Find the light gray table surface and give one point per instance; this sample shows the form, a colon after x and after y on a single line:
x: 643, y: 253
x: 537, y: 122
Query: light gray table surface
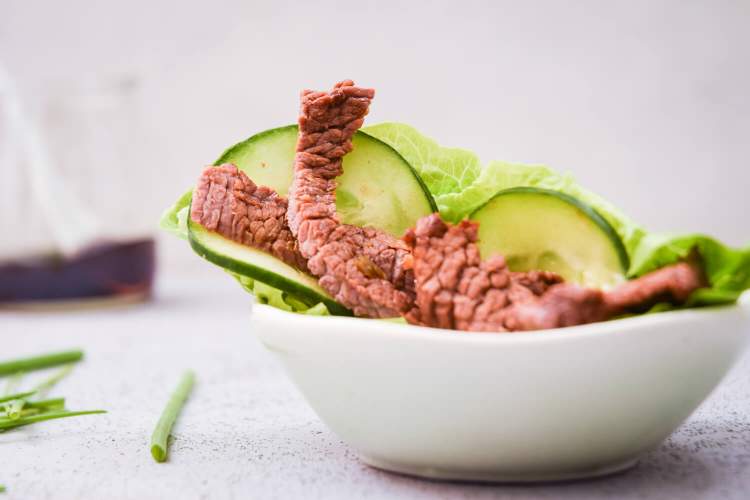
x: 247, y: 433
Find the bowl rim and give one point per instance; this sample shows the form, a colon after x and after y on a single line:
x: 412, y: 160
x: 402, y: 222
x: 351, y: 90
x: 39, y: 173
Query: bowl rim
x: 564, y: 334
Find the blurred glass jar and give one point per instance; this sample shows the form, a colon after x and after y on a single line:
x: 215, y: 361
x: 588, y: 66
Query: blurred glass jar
x: 92, y: 136
x: 94, y: 133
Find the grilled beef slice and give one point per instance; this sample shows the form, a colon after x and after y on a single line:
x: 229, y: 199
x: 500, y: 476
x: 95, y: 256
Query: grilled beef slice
x: 228, y: 202
x: 455, y: 289
x: 362, y: 268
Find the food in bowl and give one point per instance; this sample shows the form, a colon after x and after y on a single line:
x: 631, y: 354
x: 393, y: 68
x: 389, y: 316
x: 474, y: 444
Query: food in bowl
x: 325, y: 218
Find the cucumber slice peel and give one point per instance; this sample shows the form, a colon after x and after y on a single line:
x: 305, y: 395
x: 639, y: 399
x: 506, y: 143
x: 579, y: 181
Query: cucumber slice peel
x: 537, y: 228
x: 261, y: 266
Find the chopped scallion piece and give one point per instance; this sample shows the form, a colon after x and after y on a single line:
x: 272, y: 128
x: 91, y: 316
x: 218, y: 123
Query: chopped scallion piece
x: 7, y: 423
x: 47, y: 404
x: 20, y: 395
x: 166, y: 421
x: 38, y: 362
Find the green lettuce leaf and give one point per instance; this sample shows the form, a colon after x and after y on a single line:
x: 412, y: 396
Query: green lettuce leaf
x: 460, y: 184
x: 497, y: 176
x: 727, y: 269
x: 266, y: 294
x: 174, y: 219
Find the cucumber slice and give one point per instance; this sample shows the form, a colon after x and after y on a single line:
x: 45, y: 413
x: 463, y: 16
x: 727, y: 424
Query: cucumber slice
x: 261, y: 266
x: 543, y: 229
x: 378, y: 188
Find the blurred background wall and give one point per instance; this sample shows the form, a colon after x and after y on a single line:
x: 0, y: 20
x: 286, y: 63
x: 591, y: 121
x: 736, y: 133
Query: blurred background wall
x: 646, y: 102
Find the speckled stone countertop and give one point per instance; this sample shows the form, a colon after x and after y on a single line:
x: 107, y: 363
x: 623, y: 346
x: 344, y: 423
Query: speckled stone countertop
x: 247, y: 433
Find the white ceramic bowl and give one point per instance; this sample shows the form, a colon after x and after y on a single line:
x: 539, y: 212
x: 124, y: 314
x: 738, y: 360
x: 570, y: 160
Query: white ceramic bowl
x: 548, y: 405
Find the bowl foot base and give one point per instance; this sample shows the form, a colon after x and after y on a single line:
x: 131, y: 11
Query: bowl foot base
x: 499, y: 476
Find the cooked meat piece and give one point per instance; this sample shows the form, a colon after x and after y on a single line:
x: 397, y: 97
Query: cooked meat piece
x: 565, y: 304
x: 455, y: 289
x: 228, y: 202
x: 673, y: 284
x: 568, y: 304
x: 362, y: 268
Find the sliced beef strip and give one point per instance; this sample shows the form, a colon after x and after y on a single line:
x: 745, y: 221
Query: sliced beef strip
x: 568, y: 304
x: 228, y: 202
x: 673, y: 284
x: 362, y: 268
x: 455, y: 289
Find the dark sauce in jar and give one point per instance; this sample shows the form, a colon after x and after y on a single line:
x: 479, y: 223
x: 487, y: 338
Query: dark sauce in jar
x: 104, y: 270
